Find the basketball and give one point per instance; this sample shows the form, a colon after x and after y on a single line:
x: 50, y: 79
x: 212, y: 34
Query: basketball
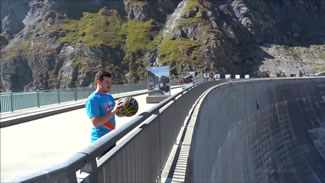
x: 129, y: 107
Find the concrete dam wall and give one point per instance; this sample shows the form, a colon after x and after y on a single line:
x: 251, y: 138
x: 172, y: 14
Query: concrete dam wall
x: 260, y: 131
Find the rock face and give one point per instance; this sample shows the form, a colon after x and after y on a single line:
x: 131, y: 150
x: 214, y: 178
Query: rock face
x: 12, y: 14
x: 16, y: 74
x: 64, y: 43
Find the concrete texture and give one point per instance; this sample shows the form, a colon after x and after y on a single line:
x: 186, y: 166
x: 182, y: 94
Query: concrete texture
x: 155, y: 98
x: 260, y: 131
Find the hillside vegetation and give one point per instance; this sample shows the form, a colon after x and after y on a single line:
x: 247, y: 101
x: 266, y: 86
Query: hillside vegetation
x: 62, y: 44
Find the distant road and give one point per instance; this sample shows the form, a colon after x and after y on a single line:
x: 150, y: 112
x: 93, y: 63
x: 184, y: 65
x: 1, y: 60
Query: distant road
x: 44, y: 142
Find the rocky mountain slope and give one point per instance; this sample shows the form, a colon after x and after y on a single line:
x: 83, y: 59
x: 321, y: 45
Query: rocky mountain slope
x: 60, y: 43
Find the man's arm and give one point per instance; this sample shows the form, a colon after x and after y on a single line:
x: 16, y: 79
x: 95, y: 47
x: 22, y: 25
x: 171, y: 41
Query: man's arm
x: 100, y: 120
x: 97, y: 121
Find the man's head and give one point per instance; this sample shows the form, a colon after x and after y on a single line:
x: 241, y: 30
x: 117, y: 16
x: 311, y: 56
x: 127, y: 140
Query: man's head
x: 104, y: 82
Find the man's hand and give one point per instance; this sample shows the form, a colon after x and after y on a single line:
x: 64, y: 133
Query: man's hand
x: 117, y: 106
x: 100, y: 120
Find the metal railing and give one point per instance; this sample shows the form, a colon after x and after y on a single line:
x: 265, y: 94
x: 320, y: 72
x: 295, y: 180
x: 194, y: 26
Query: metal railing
x: 10, y: 102
x: 139, y: 157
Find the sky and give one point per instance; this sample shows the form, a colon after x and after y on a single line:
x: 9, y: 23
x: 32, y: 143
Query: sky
x: 159, y: 71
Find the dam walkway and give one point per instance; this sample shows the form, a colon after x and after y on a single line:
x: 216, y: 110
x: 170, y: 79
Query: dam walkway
x: 256, y: 130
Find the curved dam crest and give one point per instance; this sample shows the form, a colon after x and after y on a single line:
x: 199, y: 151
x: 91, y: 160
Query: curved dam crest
x: 260, y: 131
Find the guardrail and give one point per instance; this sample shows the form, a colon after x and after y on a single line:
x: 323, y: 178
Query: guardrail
x: 139, y: 157
x: 11, y: 102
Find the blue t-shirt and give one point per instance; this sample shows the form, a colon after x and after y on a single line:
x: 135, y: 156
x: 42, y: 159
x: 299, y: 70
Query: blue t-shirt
x: 99, y: 105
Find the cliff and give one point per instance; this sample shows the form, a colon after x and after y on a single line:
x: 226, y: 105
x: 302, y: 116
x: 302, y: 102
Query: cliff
x: 56, y: 44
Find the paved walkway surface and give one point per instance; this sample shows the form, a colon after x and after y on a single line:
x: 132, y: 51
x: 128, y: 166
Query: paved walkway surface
x: 31, y: 146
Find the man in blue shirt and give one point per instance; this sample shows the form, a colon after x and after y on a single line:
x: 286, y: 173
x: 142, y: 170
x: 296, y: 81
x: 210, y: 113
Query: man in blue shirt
x: 101, y: 107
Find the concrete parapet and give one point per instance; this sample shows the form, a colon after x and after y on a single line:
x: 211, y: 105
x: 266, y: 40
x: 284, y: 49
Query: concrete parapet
x: 260, y: 131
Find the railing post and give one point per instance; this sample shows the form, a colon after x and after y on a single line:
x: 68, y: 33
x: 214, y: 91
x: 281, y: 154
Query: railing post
x: 75, y: 94
x: 159, y: 145
x: 11, y: 102
x: 38, y: 102
x: 91, y: 168
x: 58, y: 96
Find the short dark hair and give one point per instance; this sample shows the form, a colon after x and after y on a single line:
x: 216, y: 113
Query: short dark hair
x: 101, y: 74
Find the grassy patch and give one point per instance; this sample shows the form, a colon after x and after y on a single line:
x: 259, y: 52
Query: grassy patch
x: 17, y: 49
x: 191, y: 4
x: 139, y: 2
x: 193, y: 20
x: 188, y: 21
x: 94, y: 29
x: 80, y: 60
x: 100, y: 29
x: 180, y: 51
x: 139, y: 35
